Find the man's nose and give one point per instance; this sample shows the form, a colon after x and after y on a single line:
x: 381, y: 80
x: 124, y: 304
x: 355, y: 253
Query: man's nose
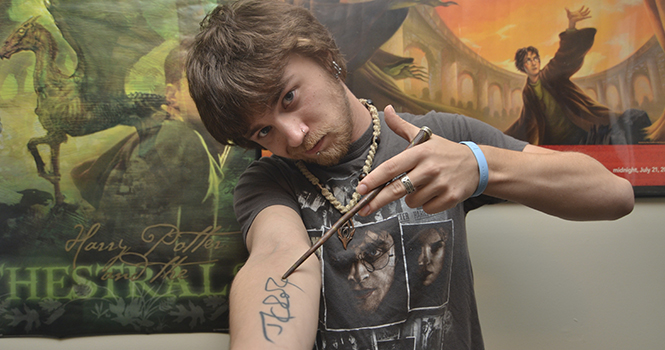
x: 358, y: 272
x: 295, y: 131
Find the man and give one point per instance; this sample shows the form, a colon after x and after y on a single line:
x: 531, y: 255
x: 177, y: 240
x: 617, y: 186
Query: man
x: 372, y: 270
x: 267, y: 74
x: 558, y: 112
x: 362, y: 277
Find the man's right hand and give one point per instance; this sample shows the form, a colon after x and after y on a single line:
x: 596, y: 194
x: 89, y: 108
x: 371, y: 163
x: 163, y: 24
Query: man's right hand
x: 576, y: 16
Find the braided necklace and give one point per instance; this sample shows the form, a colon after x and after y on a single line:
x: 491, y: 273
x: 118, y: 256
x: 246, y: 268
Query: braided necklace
x: 376, y: 124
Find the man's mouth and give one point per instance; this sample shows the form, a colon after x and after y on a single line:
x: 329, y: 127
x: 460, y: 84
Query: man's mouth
x: 317, y: 147
x: 363, y: 294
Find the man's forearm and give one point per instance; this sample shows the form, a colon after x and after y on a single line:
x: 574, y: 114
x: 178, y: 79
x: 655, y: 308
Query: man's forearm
x: 270, y: 313
x: 565, y: 184
x: 267, y: 312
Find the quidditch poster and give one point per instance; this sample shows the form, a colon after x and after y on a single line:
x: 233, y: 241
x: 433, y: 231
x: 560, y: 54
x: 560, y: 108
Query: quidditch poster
x: 116, y: 205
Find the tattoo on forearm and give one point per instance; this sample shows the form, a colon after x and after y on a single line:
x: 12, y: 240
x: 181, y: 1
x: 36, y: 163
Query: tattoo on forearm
x: 280, y: 308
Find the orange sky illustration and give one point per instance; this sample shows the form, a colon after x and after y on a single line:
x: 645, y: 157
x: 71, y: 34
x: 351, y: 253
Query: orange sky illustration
x: 496, y: 29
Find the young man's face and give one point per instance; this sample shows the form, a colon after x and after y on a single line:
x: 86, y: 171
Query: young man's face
x: 532, y: 65
x: 311, y: 120
x: 372, y: 270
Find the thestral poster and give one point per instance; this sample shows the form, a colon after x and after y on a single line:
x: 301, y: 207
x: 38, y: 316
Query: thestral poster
x: 116, y: 205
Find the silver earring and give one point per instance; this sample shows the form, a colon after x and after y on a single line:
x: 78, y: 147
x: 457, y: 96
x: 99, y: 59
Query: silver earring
x: 303, y: 130
x: 338, y: 69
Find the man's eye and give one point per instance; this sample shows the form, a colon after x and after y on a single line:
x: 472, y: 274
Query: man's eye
x: 288, y: 98
x: 264, y: 132
x: 375, y: 253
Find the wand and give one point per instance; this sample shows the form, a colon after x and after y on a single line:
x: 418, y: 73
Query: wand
x: 423, y: 135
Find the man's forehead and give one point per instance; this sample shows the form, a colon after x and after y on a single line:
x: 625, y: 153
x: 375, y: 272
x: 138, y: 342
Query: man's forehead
x: 372, y: 238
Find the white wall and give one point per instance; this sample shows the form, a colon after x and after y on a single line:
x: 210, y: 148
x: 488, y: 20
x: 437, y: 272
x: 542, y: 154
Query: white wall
x: 545, y: 283
x: 541, y: 283
x: 197, y: 341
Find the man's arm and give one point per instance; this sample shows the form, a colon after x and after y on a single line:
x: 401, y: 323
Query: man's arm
x: 576, y: 16
x: 267, y: 312
x: 569, y: 185
x: 565, y: 184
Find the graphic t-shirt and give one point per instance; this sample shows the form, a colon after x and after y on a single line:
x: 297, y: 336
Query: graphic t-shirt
x: 405, y: 280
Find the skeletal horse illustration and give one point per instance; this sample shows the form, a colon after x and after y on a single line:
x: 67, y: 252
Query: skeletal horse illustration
x: 92, y: 98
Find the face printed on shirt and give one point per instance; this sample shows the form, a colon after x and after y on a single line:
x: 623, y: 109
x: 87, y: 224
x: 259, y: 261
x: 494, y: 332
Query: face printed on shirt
x: 372, y: 269
x: 432, y: 254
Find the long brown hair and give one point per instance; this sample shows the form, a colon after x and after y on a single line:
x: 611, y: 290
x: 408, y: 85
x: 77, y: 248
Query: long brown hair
x: 236, y: 63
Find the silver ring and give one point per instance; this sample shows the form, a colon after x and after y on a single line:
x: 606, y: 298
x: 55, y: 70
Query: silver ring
x: 408, y: 185
x: 303, y: 130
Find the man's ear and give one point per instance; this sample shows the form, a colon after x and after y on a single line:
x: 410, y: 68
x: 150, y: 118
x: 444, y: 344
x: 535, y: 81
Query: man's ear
x: 171, y: 98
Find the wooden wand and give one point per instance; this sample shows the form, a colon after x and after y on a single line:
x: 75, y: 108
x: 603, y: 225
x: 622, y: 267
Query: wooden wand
x: 423, y: 135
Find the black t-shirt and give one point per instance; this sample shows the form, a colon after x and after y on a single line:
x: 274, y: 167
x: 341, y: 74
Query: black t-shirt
x: 405, y: 280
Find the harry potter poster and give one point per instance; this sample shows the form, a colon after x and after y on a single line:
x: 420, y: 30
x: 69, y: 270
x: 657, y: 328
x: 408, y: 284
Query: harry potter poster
x: 115, y: 203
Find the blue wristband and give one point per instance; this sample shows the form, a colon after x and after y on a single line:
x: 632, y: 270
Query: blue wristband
x: 482, y: 167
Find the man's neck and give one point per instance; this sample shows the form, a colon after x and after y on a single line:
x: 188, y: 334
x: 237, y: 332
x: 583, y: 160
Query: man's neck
x: 360, y: 117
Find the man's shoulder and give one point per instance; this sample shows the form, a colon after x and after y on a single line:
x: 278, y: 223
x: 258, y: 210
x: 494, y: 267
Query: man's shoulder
x: 269, y: 166
x: 445, y: 124
x: 458, y: 127
x: 432, y: 116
